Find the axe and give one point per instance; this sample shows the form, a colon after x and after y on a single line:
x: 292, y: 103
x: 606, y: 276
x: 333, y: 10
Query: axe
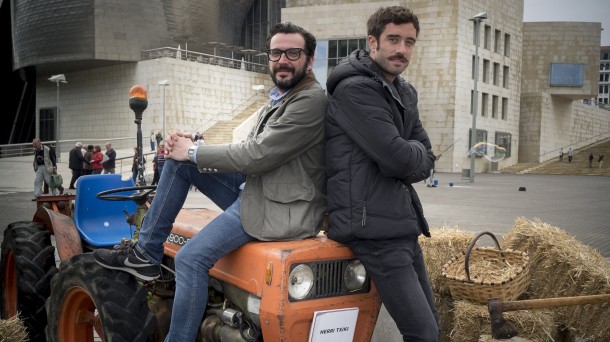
x: 502, y: 329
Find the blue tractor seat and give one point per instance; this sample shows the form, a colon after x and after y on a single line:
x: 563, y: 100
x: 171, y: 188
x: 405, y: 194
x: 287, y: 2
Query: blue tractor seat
x: 102, y: 223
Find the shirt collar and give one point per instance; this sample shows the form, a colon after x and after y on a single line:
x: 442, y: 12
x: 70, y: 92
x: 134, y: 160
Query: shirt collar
x: 276, y: 96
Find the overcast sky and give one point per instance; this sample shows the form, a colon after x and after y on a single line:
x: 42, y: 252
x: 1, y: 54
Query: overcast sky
x: 570, y: 10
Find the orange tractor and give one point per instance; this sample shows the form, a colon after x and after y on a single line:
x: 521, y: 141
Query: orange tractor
x: 309, y: 290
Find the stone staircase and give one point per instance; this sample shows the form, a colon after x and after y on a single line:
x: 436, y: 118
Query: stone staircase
x: 222, y: 131
x: 578, y: 166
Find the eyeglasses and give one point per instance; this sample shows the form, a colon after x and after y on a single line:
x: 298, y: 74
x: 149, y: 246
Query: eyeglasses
x: 292, y: 54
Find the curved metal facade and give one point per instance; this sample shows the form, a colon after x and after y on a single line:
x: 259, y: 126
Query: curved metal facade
x: 64, y: 35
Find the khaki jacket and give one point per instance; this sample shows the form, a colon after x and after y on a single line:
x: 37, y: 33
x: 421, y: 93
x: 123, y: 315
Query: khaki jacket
x: 47, y: 159
x: 283, y: 160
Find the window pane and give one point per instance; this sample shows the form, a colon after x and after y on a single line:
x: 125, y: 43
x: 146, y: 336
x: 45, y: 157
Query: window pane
x: 332, y: 49
x: 342, y: 48
x: 566, y: 74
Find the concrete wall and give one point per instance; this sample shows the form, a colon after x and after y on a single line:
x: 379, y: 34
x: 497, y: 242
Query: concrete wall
x: 95, y: 103
x: 550, y: 122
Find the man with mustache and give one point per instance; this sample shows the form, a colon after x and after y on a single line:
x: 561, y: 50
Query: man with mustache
x: 284, y: 154
x: 376, y: 149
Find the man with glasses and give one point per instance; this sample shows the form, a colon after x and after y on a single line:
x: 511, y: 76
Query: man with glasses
x: 284, y: 154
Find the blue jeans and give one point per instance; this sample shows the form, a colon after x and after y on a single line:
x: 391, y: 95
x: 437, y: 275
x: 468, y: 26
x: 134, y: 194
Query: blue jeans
x: 193, y: 262
x: 398, y: 271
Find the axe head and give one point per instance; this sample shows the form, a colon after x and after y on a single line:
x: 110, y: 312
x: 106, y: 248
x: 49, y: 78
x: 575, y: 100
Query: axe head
x: 501, y: 329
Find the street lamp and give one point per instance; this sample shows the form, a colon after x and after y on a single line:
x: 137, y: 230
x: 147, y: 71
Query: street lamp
x: 57, y: 79
x: 164, y: 83
x: 473, y: 134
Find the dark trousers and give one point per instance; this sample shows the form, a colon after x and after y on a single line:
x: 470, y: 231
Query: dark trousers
x: 398, y: 271
x: 75, y: 174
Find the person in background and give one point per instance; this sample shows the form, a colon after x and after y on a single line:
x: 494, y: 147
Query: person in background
x: 96, y: 161
x: 600, y: 160
x: 159, y: 138
x: 134, y: 166
x: 76, y: 161
x: 158, y: 162
x: 570, y: 155
x: 88, y: 168
x: 591, y: 159
x: 561, y: 155
x: 45, y: 165
x: 110, y: 164
x: 271, y: 186
x: 152, y: 140
x: 376, y: 149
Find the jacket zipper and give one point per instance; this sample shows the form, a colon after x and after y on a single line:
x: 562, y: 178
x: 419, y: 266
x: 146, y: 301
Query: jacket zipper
x: 368, y: 177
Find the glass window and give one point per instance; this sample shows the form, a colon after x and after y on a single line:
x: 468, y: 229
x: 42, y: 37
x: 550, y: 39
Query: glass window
x: 505, y: 77
x: 506, y: 44
x: 484, y: 104
x: 504, y: 108
x: 480, y: 137
x: 494, y: 106
x: 496, y: 71
x: 47, y: 123
x: 567, y: 74
x: 504, y: 140
x: 497, y: 37
x: 487, y: 37
x: 341, y: 48
x: 486, y: 70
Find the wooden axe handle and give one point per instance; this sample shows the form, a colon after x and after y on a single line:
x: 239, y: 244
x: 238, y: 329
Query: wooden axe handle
x: 553, y: 302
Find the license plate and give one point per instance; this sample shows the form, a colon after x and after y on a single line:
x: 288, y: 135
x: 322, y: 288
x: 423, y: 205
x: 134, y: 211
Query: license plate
x: 333, y: 325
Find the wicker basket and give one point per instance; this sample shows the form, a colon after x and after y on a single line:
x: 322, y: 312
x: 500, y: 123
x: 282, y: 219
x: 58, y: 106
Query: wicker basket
x: 507, y: 286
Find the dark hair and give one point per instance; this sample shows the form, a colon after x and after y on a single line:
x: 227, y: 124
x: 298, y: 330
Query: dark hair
x: 90, y: 147
x: 395, y: 14
x: 310, y: 40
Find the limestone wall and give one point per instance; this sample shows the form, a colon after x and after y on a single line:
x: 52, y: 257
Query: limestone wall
x: 95, y: 103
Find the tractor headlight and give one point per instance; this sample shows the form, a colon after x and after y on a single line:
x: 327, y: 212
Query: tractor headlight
x: 300, y: 281
x: 354, y: 276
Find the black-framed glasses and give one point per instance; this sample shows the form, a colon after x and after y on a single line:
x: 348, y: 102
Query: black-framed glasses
x: 292, y: 54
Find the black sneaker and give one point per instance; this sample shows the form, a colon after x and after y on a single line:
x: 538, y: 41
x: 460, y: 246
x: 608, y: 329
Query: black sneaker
x: 129, y: 260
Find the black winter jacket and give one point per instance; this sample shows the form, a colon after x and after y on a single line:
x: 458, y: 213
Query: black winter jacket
x: 376, y: 148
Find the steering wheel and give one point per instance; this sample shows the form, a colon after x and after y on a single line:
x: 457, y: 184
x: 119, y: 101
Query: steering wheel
x: 139, y: 197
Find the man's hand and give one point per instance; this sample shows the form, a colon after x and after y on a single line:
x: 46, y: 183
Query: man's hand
x: 177, y: 144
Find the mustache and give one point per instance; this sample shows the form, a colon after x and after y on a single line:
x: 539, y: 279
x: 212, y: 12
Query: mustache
x: 279, y: 68
x: 398, y: 57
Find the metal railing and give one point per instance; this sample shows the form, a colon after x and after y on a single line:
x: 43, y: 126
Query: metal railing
x: 575, y: 146
x: 200, y: 57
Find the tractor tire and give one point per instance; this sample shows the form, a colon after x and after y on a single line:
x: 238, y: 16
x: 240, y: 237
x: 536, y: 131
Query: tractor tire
x: 88, y: 299
x: 26, y: 269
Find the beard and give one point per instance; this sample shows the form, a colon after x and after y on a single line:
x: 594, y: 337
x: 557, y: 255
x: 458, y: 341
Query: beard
x: 287, y: 84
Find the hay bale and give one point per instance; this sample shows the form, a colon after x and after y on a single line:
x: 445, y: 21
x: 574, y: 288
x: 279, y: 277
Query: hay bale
x: 472, y: 320
x: 438, y: 250
x: 13, y: 330
x: 562, y: 266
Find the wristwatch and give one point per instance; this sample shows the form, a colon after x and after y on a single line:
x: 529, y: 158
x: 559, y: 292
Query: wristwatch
x: 191, y: 152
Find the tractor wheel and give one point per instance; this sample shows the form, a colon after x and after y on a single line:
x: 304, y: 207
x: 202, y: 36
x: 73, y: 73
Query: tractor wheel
x: 27, y: 266
x: 88, y: 299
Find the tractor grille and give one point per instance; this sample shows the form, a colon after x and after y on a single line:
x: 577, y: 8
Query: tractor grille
x: 328, y: 280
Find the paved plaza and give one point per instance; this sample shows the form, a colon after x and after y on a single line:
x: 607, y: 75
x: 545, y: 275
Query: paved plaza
x: 579, y: 205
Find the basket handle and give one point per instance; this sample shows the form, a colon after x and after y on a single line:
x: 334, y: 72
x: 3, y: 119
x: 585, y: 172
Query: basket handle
x: 472, y: 243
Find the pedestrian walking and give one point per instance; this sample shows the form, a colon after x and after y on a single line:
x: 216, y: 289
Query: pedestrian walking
x: 570, y: 155
x: 600, y: 160
x: 561, y: 155
x: 591, y: 159
x: 45, y: 165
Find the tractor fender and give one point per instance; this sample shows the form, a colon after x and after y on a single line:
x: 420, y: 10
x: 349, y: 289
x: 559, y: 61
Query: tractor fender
x: 67, y: 239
